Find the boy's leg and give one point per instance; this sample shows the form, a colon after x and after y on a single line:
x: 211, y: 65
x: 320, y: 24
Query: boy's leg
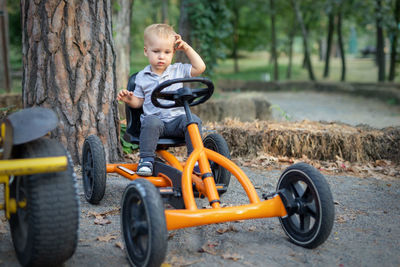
x: 178, y: 128
x: 151, y: 130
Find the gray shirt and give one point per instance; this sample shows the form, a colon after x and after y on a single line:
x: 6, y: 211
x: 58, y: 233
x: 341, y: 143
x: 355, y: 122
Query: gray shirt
x: 146, y: 81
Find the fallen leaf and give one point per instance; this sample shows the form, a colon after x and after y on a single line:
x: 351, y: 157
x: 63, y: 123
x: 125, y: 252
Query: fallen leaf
x: 106, y: 238
x: 234, y: 256
x: 119, y: 245
x: 101, y: 221
x: 230, y: 228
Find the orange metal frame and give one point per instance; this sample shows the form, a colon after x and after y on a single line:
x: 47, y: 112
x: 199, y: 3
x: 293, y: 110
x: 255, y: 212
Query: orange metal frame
x: 192, y: 216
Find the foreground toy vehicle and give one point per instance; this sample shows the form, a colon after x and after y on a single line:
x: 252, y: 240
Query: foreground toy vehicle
x: 40, y: 193
x: 303, y: 201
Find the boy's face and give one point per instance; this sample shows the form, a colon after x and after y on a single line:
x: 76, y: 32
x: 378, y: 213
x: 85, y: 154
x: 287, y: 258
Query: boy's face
x: 160, y: 52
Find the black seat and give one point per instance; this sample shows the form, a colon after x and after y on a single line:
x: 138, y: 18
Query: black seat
x: 133, y: 124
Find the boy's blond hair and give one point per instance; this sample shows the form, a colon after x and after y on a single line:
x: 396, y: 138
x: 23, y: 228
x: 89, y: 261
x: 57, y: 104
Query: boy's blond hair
x: 160, y: 30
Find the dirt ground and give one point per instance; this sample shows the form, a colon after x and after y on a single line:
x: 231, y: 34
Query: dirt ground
x: 366, y: 231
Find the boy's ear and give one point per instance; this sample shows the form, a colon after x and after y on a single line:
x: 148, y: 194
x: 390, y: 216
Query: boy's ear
x: 145, y: 51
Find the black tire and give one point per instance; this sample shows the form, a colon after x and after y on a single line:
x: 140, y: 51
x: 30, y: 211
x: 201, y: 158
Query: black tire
x: 218, y: 144
x: 143, y: 224
x: 310, y: 222
x: 93, y: 169
x: 45, y: 231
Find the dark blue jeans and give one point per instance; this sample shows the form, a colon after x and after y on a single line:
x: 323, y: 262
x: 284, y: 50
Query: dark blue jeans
x: 153, y: 128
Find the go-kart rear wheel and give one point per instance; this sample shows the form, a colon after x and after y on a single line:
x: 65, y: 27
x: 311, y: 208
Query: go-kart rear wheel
x: 311, y: 210
x: 143, y: 224
x: 44, y: 230
x: 218, y: 144
x: 93, y: 169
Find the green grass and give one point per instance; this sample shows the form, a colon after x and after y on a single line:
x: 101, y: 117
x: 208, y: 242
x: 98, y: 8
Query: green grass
x: 253, y: 66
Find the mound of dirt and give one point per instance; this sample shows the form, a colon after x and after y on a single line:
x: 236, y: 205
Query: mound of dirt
x: 244, y: 107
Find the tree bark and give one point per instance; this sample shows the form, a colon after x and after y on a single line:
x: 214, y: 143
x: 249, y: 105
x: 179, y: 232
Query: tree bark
x: 69, y: 66
x: 329, y: 43
x: 341, y: 46
x: 121, y: 16
x: 307, y: 58
x: 235, y: 35
x: 164, y: 11
x: 393, y: 49
x: 380, y: 46
x: 273, y: 41
x: 290, y: 53
x: 184, y: 29
x: 5, y: 73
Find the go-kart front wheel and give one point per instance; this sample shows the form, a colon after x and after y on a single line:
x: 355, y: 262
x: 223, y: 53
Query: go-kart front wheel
x: 309, y: 203
x: 45, y: 229
x: 218, y: 144
x: 143, y: 224
x: 93, y: 169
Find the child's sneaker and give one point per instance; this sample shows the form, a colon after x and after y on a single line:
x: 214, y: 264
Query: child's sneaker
x: 145, y: 167
x: 196, y: 169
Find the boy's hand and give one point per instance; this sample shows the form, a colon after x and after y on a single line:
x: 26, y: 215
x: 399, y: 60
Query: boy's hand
x: 125, y: 95
x: 180, y: 44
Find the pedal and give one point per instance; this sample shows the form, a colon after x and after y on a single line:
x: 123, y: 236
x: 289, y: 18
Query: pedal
x: 268, y: 196
x: 169, y: 191
x: 221, y: 188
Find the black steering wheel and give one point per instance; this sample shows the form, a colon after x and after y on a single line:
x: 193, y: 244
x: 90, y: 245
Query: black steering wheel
x: 193, y: 96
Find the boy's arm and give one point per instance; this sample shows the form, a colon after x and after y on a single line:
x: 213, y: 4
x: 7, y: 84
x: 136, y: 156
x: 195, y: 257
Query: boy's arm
x: 129, y: 98
x: 198, y: 65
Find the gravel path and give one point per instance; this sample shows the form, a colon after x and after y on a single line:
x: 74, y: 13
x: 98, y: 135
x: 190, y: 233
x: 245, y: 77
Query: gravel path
x: 318, y: 106
x: 366, y: 230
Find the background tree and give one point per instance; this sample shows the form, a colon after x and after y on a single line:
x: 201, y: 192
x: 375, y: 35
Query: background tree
x: 394, y: 30
x: 209, y: 26
x: 274, y: 54
x: 121, y: 18
x: 307, y: 57
x: 5, y: 76
x: 69, y: 67
x: 331, y: 27
x: 380, y: 45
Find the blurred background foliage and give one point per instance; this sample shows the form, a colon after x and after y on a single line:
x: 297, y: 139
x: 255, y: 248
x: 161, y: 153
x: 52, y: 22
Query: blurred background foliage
x: 234, y: 37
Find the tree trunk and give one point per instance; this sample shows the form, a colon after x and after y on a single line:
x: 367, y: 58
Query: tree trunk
x: 164, y: 11
x: 121, y: 16
x: 393, y: 49
x: 380, y: 53
x: 5, y: 75
x: 273, y: 41
x: 341, y: 46
x: 305, y: 39
x: 184, y: 29
x: 69, y: 66
x: 290, y: 53
x: 235, y: 35
x: 329, y: 43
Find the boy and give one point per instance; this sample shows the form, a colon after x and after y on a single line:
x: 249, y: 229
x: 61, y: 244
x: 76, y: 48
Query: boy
x: 160, y: 44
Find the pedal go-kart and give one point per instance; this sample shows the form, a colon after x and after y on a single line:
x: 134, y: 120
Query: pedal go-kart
x: 40, y: 192
x: 302, y: 201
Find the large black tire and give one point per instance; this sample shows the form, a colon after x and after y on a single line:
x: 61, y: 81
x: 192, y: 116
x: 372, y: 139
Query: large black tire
x: 143, y: 224
x: 45, y: 231
x: 93, y: 169
x: 218, y: 144
x: 310, y: 220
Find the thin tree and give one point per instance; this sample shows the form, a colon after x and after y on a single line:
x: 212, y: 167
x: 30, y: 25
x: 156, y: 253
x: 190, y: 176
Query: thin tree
x: 380, y: 45
x: 274, y: 54
x: 340, y: 42
x: 69, y: 66
x: 121, y: 17
x: 307, y: 57
x: 5, y: 75
x: 331, y: 28
x: 395, y: 36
